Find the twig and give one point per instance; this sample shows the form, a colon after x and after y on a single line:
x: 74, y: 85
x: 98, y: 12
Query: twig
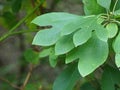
x: 27, y: 77
x: 11, y: 84
x: 25, y: 82
x: 33, y: 5
x: 115, y: 6
x: 20, y: 22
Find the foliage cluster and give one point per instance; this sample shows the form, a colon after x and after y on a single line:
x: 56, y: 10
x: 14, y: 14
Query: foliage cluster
x: 86, y: 42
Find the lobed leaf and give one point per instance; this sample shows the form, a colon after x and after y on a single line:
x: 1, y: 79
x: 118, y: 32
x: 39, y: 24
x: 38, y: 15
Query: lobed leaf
x: 81, y: 36
x: 88, y: 24
x: 46, y: 37
x: 54, y: 18
x: 72, y: 55
x: 101, y: 32
x: 77, y: 24
x: 92, y: 54
x: 92, y: 50
x: 49, y: 37
x: 64, y: 45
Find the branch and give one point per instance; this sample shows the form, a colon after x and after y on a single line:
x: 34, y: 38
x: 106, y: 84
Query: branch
x: 11, y: 84
x: 20, y: 22
x: 25, y: 82
x: 27, y: 77
x: 114, y: 6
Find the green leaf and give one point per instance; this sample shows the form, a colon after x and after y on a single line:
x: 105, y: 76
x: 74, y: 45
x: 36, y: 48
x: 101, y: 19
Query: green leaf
x: 57, y: 20
x: 104, y: 3
x: 81, y: 36
x: 82, y: 22
x: 50, y: 36
x: 53, y: 58
x: 72, y: 55
x: 31, y: 56
x: 54, y: 19
x: 64, y: 45
x: 117, y: 59
x: 67, y: 79
x: 91, y: 7
x: 46, y: 37
x: 110, y: 78
x: 116, y: 44
x: 101, y: 32
x: 44, y: 52
x: 88, y: 23
x: 92, y: 54
x: 112, y: 29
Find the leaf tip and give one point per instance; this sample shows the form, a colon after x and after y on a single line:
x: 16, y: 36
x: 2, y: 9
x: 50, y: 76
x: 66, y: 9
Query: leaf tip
x: 66, y: 61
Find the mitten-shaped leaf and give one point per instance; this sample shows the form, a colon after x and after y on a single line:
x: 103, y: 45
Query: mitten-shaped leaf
x: 92, y: 54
